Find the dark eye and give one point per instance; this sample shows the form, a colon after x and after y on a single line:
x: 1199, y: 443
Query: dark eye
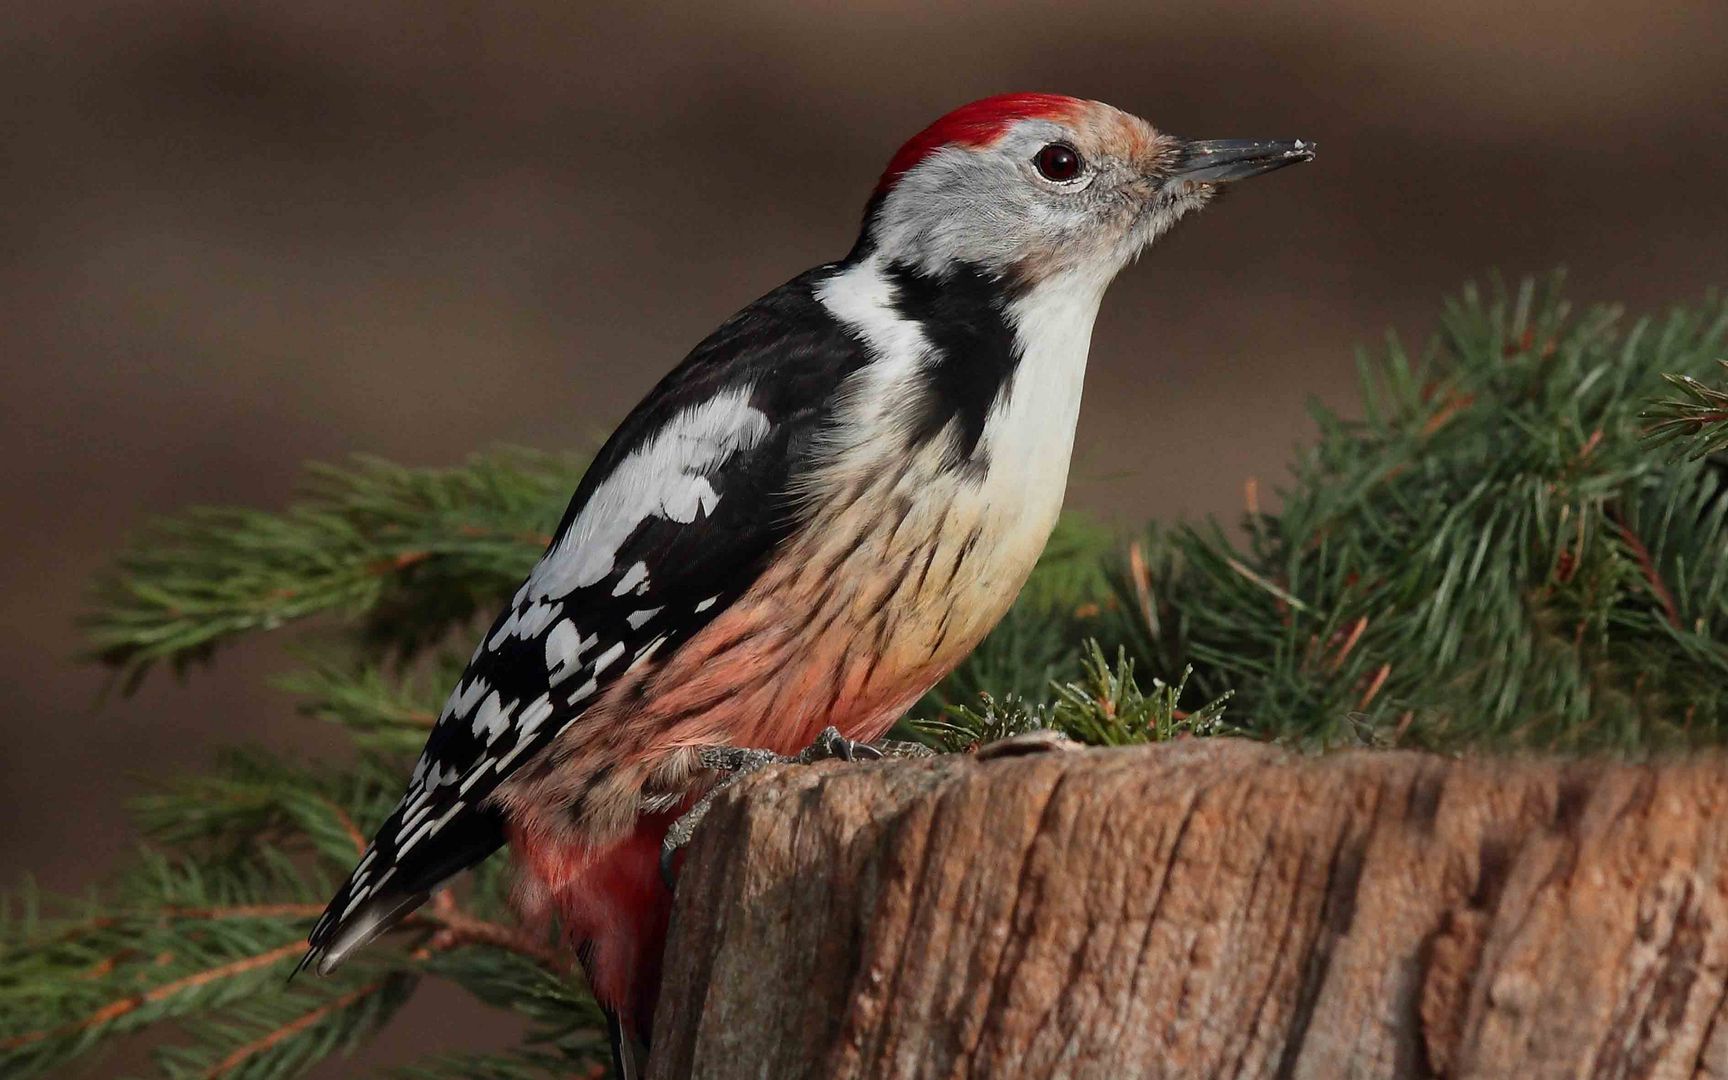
x: 1058, y: 162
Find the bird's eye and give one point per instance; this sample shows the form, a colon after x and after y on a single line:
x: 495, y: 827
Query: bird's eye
x: 1058, y: 162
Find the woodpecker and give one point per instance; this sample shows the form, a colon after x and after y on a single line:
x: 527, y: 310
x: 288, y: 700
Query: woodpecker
x: 810, y: 521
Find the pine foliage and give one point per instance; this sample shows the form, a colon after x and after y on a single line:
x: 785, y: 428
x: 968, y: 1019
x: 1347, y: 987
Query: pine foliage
x: 1495, y: 552
x: 1515, y: 540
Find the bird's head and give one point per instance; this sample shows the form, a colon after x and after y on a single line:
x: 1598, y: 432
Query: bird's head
x: 1038, y: 185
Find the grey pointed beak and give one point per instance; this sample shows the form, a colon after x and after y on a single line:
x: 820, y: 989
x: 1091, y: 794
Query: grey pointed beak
x: 1219, y: 161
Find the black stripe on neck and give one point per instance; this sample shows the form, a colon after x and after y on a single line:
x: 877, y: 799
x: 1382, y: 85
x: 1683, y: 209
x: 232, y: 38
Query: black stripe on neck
x: 964, y: 314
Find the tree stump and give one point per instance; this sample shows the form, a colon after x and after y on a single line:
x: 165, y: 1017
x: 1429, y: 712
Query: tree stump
x: 1204, y: 908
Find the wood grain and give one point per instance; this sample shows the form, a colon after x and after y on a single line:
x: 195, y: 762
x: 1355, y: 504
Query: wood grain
x: 1207, y: 908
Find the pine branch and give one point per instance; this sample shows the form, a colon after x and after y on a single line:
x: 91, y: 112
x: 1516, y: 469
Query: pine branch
x: 377, y: 704
x: 252, y: 796
x: 217, y: 970
x: 525, y: 1064
x: 340, y: 1022
x: 1495, y: 543
x: 404, y: 552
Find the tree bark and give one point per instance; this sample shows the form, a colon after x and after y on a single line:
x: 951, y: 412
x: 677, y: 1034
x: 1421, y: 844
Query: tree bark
x: 1204, y: 908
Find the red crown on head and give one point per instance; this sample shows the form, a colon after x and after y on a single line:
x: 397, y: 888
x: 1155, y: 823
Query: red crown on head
x: 976, y: 125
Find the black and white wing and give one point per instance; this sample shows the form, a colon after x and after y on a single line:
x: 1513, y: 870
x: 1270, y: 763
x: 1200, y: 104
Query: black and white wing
x: 673, y: 521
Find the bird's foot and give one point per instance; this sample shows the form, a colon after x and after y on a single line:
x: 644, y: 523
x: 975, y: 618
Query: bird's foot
x: 737, y: 762
x: 830, y: 745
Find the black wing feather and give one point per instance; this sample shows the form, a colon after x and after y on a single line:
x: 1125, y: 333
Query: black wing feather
x: 791, y: 358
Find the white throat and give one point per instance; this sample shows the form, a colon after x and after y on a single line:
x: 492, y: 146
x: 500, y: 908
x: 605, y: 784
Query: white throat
x: 1030, y: 432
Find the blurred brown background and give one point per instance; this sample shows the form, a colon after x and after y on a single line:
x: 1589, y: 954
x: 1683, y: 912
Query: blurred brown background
x: 234, y: 236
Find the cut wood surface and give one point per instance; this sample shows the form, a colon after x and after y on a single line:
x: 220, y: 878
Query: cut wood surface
x: 1204, y: 908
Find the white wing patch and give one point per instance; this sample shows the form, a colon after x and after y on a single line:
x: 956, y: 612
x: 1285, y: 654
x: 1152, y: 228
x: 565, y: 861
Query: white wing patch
x: 667, y: 476
x: 692, y: 504
x: 634, y: 578
x: 533, y: 716
x: 493, y: 718
x: 526, y: 622
x: 464, y: 698
x: 605, y: 659
x: 565, y: 646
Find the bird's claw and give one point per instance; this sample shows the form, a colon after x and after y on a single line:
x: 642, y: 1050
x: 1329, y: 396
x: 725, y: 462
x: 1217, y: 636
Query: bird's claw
x: 737, y: 762
x: 831, y: 745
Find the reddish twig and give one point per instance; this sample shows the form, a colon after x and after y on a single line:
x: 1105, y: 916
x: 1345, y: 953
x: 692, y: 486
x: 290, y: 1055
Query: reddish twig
x: 1647, y: 565
x: 1141, y: 575
x: 456, y: 928
x: 1449, y: 407
x: 293, y: 1027
x: 1374, y: 686
x: 1350, y: 639
x: 354, y: 834
x: 451, y: 926
x: 120, y: 1007
x: 246, y: 911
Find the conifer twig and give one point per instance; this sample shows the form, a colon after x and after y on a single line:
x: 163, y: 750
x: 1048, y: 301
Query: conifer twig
x: 247, y: 1051
x: 119, y: 1007
x: 1647, y: 567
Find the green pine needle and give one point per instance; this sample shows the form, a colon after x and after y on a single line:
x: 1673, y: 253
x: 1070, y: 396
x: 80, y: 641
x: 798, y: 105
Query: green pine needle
x: 404, y: 553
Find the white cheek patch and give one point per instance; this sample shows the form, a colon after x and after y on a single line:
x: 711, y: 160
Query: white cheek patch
x: 974, y: 204
x: 665, y: 477
x: 863, y: 298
